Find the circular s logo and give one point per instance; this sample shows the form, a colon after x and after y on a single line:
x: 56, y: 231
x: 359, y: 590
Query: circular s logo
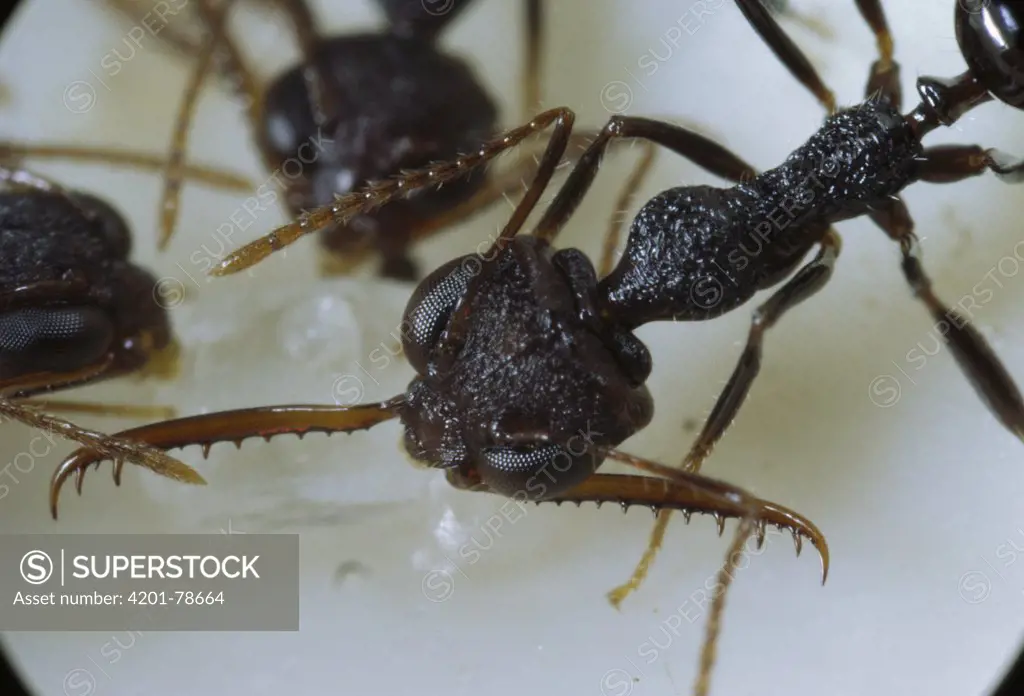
x: 36, y: 567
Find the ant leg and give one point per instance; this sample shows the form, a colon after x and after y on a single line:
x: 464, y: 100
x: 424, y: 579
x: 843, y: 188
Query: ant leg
x: 884, y: 78
x: 502, y: 186
x: 702, y: 151
x: 173, y: 174
x: 808, y: 281
x: 761, y: 19
x: 374, y: 195
x: 12, y: 152
x: 976, y: 359
x: 808, y: 21
x: 224, y: 426
x: 532, y: 70
x: 243, y: 80
x: 179, y: 41
x: 108, y: 447
x: 945, y: 164
x: 622, y: 207
x: 186, y: 43
x: 722, y: 498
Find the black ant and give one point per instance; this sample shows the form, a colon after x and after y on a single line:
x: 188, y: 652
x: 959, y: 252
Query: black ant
x: 362, y: 107
x: 74, y: 310
x: 520, y: 351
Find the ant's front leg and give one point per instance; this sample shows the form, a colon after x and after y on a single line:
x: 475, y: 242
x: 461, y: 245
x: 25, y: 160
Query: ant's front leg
x: 946, y: 164
x: 972, y: 352
x: 808, y: 281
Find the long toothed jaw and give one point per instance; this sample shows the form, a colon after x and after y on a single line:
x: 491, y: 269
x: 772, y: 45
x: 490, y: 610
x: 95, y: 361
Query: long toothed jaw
x: 777, y: 516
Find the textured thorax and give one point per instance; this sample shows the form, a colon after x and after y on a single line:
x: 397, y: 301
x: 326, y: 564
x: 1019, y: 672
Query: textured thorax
x: 698, y: 251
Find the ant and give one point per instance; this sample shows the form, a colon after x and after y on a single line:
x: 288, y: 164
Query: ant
x: 520, y: 350
x: 361, y: 107
x: 74, y: 310
x: 345, y: 88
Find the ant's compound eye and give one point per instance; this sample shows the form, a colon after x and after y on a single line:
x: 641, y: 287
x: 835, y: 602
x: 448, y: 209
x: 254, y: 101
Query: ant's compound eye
x: 535, y: 472
x: 991, y: 38
x: 115, y: 229
x: 429, y: 309
x: 60, y: 339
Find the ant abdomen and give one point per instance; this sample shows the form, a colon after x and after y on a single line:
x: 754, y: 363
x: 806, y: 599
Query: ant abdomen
x: 991, y: 38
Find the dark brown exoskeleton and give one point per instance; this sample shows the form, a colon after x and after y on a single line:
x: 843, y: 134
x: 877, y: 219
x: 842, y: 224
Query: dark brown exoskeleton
x: 529, y: 375
x: 362, y: 107
x: 74, y: 310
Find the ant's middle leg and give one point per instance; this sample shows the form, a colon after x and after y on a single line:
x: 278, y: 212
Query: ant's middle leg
x: 973, y: 354
x: 808, y: 281
x: 946, y: 164
x: 884, y: 78
x: 498, y: 186
x: 532, y: 69
x: 702, y: 151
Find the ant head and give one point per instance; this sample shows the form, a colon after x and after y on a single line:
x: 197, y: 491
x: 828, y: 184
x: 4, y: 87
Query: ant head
x: 521, y: 383
x: 991, y: 38
x: 70, y: 302
x: 397, y: 103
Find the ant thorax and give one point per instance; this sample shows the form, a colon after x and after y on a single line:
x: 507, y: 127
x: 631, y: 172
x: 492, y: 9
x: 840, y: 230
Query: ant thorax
x: 695, y: 252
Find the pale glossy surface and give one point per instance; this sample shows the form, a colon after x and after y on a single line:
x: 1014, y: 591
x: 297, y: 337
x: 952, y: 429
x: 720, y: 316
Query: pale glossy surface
x: 920, y: 500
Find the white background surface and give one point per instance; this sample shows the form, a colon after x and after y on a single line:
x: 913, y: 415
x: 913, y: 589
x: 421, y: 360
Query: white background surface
x: 912, y: 497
